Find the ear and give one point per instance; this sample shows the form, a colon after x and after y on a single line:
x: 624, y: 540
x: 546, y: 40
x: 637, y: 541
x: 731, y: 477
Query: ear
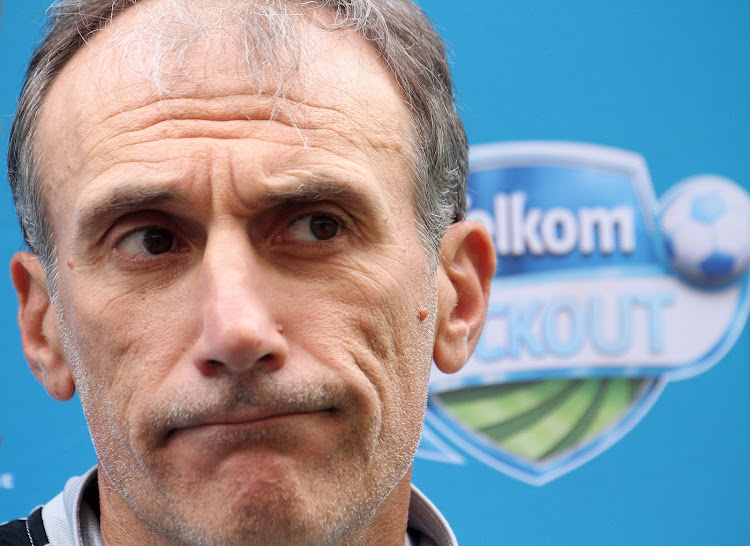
x: 467, y: 266
x: 37, y: 321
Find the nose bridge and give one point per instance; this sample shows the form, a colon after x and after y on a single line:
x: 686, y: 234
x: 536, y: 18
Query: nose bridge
x: 229, y: 269
x: 238, y: 326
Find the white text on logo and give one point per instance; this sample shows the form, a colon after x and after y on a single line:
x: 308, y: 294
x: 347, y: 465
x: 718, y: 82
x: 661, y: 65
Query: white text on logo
x: 558, y: 230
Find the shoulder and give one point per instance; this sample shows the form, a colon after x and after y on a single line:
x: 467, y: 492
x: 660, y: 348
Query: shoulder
x: 14, y: 533
x: 24, y: 531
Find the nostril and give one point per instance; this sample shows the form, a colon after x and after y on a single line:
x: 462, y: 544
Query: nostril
x: 211, y: 368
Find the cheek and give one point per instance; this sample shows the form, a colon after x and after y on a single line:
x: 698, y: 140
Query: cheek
x: 128, y: 340
x: 124, y: 346
x: 368, y: 325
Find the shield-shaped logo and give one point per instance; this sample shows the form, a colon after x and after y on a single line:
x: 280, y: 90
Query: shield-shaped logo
x: 601, y: 297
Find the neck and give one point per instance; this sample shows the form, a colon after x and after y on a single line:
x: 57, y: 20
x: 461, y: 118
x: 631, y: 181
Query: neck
x: 387, y: 526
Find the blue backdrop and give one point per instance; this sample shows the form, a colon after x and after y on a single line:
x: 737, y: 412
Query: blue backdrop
x: 665, y: 79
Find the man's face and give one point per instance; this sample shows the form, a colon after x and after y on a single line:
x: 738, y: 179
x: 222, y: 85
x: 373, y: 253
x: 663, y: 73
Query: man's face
x: 243, y: 297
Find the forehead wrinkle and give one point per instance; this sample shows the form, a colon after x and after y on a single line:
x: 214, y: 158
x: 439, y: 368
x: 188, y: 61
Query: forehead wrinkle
x: 133, y: 121
x: 200, y: 148
x: 219, y: 126
x: 128, y: 168
x: 298, y: 114
x: 388, y: 125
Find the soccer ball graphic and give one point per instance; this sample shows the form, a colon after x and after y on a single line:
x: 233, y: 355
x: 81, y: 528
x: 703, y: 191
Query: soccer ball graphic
x: 705, y: 222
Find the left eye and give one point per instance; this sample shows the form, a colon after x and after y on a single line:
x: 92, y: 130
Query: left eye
x: 314, y: 227
x: 149, y: 241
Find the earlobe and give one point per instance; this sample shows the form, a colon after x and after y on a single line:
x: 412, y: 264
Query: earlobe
x: 467, y: 267
x: 37, y: 322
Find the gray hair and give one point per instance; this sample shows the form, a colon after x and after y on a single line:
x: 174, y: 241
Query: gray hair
x: 399, y: 31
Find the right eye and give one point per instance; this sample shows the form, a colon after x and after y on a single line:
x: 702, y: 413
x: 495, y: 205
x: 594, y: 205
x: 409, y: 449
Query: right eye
x: 148, y: 241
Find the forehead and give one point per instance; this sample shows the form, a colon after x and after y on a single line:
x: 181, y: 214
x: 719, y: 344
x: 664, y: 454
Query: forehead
x: 125, y: 87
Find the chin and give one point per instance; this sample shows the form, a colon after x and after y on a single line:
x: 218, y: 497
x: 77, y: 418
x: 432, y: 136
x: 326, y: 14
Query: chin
x: 275, y: 523
x: 245, y: 507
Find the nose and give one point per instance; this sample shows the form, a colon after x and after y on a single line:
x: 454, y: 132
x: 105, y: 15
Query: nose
x: 238, y: 329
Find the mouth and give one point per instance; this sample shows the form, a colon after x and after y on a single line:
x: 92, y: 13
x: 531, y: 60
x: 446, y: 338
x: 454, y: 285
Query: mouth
x: 250, y: 412
x: 257, y: 420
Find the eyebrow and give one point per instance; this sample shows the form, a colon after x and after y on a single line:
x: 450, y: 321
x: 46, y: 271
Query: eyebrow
x: 129, y: 198
x: 320, y: 188
x: 121, y: 201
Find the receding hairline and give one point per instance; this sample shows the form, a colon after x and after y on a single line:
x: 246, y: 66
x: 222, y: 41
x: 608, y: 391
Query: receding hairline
x: 293, y: 81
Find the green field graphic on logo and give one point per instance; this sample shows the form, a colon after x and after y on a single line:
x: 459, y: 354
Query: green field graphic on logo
x: 541, y: 420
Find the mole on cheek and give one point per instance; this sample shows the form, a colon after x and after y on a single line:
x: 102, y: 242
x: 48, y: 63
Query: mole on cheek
x: 70, y: 264
x: 422, y: 315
